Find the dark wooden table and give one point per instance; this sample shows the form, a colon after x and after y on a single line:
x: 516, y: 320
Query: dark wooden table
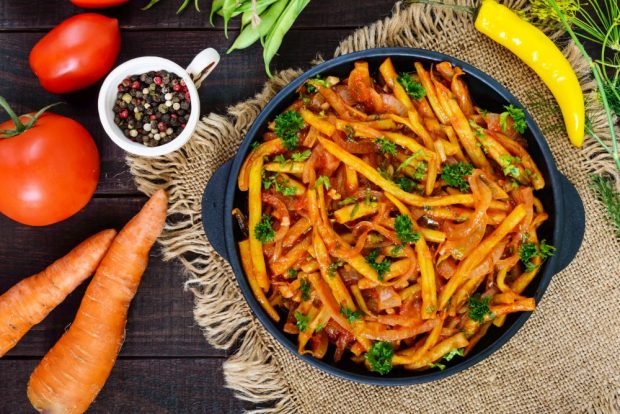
x: 166, y: 364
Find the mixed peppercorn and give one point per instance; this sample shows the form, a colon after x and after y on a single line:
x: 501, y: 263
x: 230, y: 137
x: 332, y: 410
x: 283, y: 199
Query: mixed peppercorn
x: 152, y: 108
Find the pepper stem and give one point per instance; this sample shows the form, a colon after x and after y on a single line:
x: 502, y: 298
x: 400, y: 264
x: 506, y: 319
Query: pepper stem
x: 19, y: 125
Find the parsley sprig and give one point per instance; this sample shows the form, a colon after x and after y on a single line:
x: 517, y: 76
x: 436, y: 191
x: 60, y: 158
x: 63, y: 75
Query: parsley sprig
x: 280, y: 184
x: 386, y: 146
x: 455, y: 175
x: 405, y: 184
x: 382, y: 268
x: 479, y: 308
x: 404, y: 229
x: 263, y: 230
x: 287, y: 125
x: 302, y: 321
x: 323, y: 181
x: 379, y: 357
x: 529, y: 250
x: 518, y: 119
x: 350, y: 314
x: 447, y: 357
x: 305, y: 287
x: 411, y: 86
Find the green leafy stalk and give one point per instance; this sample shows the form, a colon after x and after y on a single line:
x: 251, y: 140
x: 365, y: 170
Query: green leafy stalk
x: 605, y: 191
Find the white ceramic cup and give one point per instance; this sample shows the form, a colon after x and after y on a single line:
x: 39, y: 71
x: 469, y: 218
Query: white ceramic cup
x: 202, y: 65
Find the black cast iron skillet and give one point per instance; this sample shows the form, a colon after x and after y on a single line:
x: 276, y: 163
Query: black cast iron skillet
x: 564, y: 229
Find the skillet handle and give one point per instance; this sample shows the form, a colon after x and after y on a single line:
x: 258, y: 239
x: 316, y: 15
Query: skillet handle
x: 213, y: 208
x: 573, y: 227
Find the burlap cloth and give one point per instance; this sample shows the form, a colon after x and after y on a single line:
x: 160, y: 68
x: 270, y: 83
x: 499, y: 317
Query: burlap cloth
x: 566, y: 357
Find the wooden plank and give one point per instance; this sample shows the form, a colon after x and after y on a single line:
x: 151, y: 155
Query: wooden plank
x: 239, y: 76
x: 160, y: 320
x: 144, y: 385
x: 37, y: 15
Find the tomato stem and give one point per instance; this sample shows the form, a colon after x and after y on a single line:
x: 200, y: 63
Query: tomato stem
x: 19, y: 125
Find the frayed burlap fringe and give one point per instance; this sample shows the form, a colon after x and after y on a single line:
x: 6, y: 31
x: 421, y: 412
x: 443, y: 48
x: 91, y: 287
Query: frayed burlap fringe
x: 267, y: 375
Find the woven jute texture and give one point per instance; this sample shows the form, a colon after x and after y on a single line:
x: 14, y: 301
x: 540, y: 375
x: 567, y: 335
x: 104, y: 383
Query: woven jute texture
x: 564, y: 360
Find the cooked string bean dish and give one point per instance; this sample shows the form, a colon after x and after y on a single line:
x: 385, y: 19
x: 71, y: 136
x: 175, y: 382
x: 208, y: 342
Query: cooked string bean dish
x: 390, y: 219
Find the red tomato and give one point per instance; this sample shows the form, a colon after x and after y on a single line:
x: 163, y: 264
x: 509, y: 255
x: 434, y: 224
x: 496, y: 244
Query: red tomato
x: 97, y: 4
x: 76, y: 53
x: 48, y: 172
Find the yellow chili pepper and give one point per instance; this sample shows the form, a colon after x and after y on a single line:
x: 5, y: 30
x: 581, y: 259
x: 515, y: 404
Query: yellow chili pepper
x: 537, y: 51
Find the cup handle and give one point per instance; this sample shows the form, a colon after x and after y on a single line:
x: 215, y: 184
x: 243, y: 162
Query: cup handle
x: 202, y: 65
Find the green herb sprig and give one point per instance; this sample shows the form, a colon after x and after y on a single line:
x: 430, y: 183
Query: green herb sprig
x: 455, y: 175
x: 411, y: 86
x: 379, y: 357
x: 382, y: 268
x: 287, y: 125
x: 263, y: 230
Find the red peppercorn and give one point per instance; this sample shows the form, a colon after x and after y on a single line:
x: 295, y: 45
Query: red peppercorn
x: 187, y: 98
x: 174, y: 116
x: 157, y: 80
x: 135, y: 85
x: 182, y: 125
x: 162, y: 127
x: 124, y: 113
x: 121, y: 88
x: 152, y: 117
x: 176, y: 87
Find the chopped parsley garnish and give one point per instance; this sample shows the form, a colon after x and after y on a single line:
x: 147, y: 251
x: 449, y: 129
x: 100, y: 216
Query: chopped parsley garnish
x: 292, y: 273
x: 529, y: 250
x: 379, y: 357
x: 478, y: 131
x: 319, y: 328
x: 287, y: 125
x: 317, y: 80
x: 279, y: 184
x: 333, y: 267
x: 437, y: 365
x: 349, y: 314
x: 453, y: 353
x: 322, y: 181
x: 405, y: 184
x: 302, y: 321
x: 305, y: 287
x: 404, y: 229
x: 479, y: 308
x: 396, y: 250
x: 350, y: 132
x: 454, y: 175
x: 386, y: 146
x: 409, y: 160
x: 301, y: 156
x: 280, y: 159
x: 510, y: 165
x: 518, y: 119
x: 381, y: 267
x: 413, y: 88
x: 263, y: 230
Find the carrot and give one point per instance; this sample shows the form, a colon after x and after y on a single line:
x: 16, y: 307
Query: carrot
x: 73, y: 372
x: 31, y: 300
